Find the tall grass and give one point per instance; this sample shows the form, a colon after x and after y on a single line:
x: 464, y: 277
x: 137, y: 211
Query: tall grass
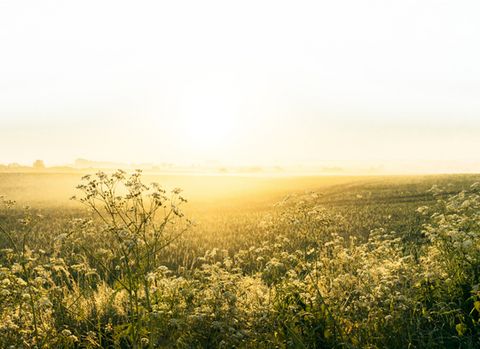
x: 132, y: 274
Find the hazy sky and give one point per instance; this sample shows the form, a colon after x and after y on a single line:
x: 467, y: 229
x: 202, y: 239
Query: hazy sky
x: 250, y: 82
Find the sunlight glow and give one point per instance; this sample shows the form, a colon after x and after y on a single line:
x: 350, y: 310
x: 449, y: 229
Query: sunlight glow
x: 249, y: 82
x: 207, y: 117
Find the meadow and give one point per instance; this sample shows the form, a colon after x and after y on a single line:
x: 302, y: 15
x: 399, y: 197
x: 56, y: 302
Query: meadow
x: 239, y: 262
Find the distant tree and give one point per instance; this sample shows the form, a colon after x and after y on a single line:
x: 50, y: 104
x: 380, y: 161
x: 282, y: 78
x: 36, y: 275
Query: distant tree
x: 39, y: 164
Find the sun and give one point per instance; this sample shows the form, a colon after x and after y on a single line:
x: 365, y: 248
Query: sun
x: 208, y: 119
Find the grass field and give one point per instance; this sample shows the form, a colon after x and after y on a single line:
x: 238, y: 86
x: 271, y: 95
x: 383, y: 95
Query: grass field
x: 247, y: 262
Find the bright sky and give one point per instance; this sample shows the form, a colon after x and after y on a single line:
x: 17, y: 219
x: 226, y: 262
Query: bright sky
x: 240, y: 82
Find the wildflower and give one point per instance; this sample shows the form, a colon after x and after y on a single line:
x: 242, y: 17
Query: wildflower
x: 467, y: 244
x: 44, y: 302
x: 109, y: 327
x: 461, y: 329
x: 150, y: 277
x: 66, y: 332
x: 16, y: 268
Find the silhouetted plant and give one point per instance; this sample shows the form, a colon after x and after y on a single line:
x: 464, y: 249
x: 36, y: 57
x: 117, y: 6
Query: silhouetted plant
x: 142, y: 220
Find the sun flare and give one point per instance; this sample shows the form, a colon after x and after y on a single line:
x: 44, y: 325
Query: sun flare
x: 208, y: 118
